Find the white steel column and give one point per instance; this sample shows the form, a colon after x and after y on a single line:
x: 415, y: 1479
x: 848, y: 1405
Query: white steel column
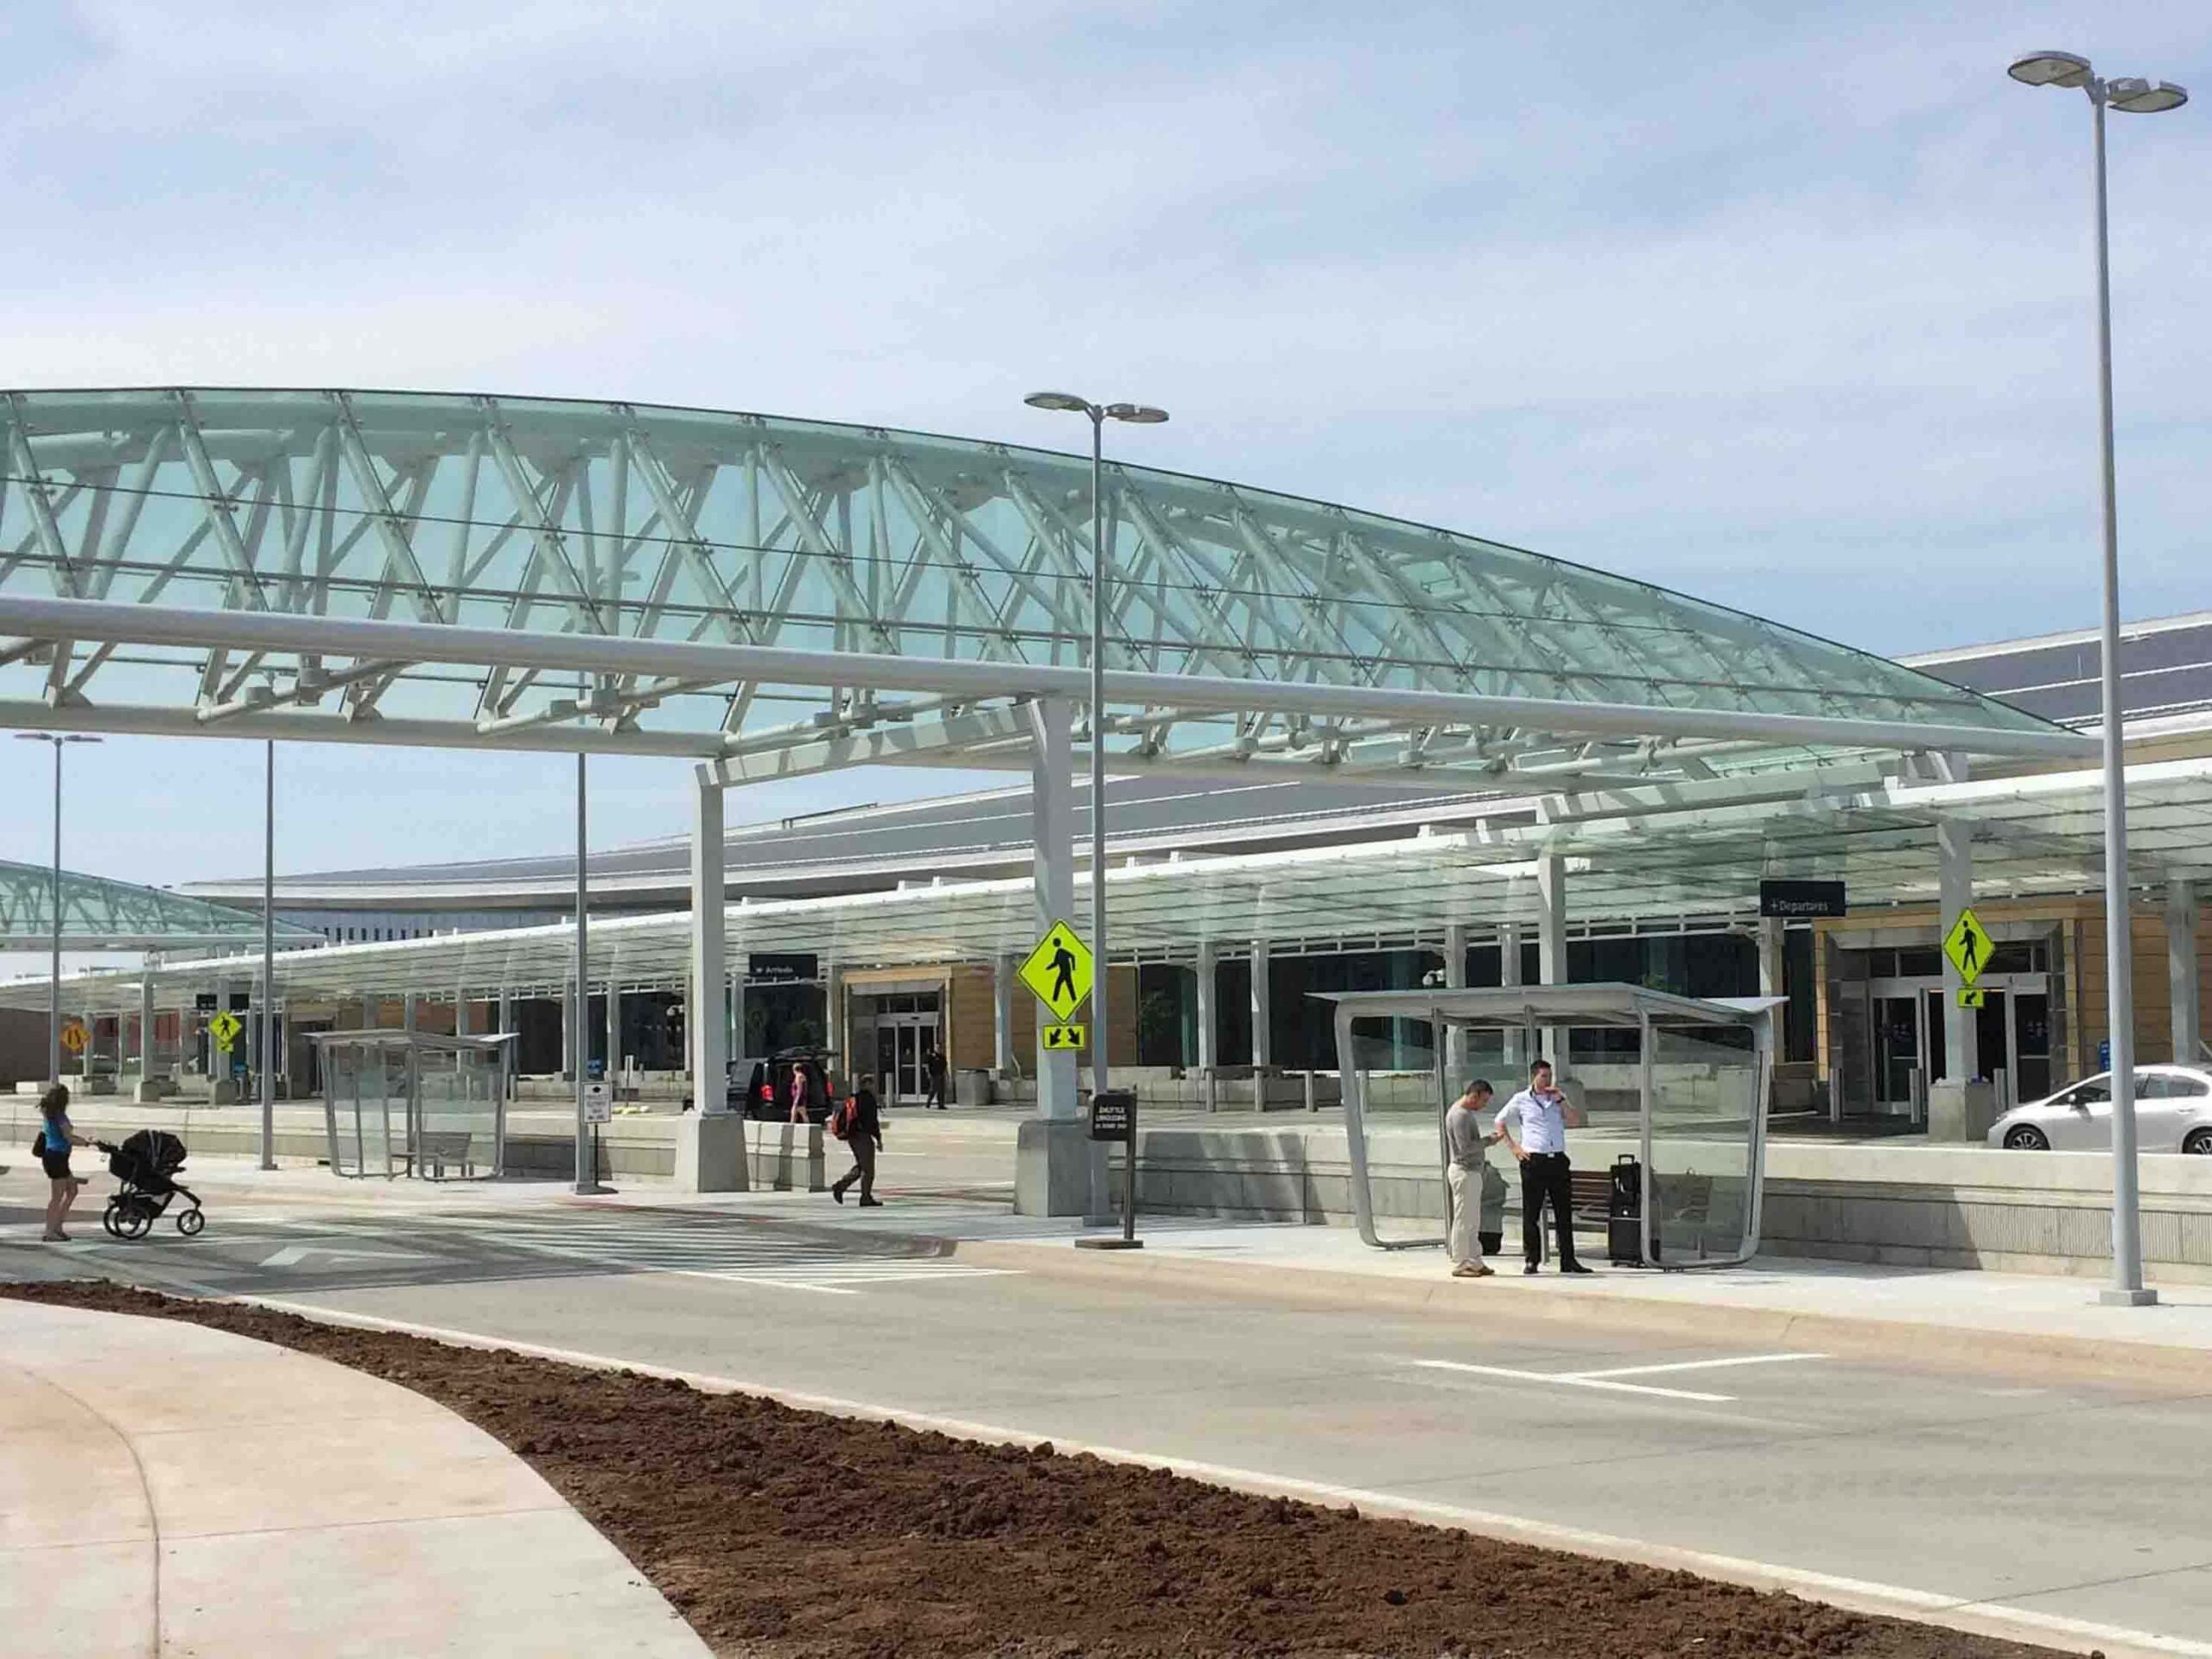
x: 833, y: 1017
x: 463, y: 1016
x: 1770, y: 975
x: 1551, y: 949
x: 612, y: 1016
x: 1208, y: 975
x: 1003, y: 986
x: 1054, y: 864
x: 145, y: 1029
x: 2181, y: 972
x: 1455, y: 979
x: 1262, y: 1007
x: 706, y: 1028
x: 1508, y: 973
x: 1954, y: 889
x: 407, y: 1012
x: 735, y: 1044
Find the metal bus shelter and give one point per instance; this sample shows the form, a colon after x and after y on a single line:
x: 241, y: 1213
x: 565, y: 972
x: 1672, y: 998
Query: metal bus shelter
x: 415, y: 1102
x: 1704, y: 1068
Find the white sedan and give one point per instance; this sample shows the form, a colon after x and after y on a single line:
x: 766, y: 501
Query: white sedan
x: 2173, y: 1113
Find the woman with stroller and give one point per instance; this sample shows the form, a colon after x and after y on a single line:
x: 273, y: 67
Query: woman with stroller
x: 55, y: 1137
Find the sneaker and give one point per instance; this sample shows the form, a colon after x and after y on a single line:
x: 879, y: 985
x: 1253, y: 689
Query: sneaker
x: 1472, y: 1270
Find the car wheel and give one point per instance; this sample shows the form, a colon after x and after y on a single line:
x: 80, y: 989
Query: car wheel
x: 2025, y: 1137
x: 2198, y: 1141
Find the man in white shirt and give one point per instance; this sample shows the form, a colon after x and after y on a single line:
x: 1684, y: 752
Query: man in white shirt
x: 1543, y: 1117
x: 1465, y: 1143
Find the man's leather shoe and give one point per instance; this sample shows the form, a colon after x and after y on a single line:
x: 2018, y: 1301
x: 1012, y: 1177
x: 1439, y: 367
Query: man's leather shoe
x: 1574, y: 1267
x: 1530, y: 1270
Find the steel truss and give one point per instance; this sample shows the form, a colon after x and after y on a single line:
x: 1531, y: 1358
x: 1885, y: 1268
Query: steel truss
x: 795, y: 595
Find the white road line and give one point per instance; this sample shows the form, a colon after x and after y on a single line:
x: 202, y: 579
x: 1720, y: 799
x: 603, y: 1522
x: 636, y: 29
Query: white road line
x: 1699, y: 1365
x: 1861, y: 1595
x: 1572, y: 1381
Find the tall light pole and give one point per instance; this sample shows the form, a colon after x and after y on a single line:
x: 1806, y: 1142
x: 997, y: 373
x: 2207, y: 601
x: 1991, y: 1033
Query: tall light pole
x: 1140, y: 415
x: 2131, y: 96
x: 268, y: 1062
x: 53, y: 982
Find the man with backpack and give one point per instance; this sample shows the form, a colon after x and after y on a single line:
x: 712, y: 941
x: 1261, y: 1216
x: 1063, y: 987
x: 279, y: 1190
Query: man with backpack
x: 859, y: 1124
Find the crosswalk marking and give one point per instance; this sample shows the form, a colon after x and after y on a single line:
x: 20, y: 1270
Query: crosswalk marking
x: 706, y: 1248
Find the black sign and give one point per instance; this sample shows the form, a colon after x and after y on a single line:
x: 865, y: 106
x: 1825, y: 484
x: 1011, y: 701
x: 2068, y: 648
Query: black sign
x: 1800, y: 899
x: 203, y: 1002
x: 1114, y: 1115
x: 782, y: 967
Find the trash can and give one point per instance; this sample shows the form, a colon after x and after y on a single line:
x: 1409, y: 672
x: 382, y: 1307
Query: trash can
x: 973, y: 1087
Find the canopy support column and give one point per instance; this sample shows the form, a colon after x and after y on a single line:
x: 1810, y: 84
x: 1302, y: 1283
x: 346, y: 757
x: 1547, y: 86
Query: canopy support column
x: 710, y: 1140
x: 1551, y: 950
x: 1455, y: 978
x: 1262, y: 1012
x: 1209, y: 977
x: 1002, y: 984
x: 1508, y: 973
x: 463, y: 1016
x: 1770, y: 973
x: 2181, y: 972
x: 1058, y: 1171
x: 1959, y: 1108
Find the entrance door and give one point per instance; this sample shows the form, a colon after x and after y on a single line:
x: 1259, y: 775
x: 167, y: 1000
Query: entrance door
x: 1896, y: 1050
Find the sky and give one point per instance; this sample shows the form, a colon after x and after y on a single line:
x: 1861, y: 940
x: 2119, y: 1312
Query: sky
x: 1790, y: 306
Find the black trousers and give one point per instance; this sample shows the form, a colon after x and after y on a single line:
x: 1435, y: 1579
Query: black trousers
x: 1544, y: 1178
x: 863, y: 1169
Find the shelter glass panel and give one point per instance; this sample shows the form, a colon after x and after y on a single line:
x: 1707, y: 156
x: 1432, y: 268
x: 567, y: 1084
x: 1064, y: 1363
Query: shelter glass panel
x: 1707, y: 1100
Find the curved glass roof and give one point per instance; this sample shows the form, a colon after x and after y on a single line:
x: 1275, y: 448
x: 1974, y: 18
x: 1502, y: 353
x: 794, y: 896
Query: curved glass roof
x: 97, y: 914
x: 691, y: 526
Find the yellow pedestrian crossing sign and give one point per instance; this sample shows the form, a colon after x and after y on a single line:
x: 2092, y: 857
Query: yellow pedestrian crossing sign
x: 224, y: 1028
x: 1973, y: 999
x: 1968, y: 946
x: 1059, y: 970
x: 1065, y: 1036
x: 74, y: 1036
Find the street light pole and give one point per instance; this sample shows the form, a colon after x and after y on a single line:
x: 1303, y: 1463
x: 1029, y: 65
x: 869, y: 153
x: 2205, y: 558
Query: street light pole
x: 54, y: 897
x: 268, y: 955
x: 1098, y: 415
x: 2134, y: 96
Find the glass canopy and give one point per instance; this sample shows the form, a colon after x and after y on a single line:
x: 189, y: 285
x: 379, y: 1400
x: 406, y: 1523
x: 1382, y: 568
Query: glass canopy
x: 102, y: 915
x: 621, y: 522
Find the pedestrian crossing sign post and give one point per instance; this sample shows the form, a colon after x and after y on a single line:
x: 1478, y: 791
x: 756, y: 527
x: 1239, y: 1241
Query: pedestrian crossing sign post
x: 1065, y: 1036
x: 1059, y: 970
x: 74, y: 1036
x: 225, y: 1029
x: 1968, y: 946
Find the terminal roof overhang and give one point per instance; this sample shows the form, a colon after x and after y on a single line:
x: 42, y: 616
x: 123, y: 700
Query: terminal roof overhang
x: 1635, y: 859
x: 771, y: 596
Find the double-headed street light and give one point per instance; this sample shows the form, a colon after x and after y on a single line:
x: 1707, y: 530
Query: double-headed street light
x: 2131, y: 96
x: 54, y: 983
x: 1099, y: 414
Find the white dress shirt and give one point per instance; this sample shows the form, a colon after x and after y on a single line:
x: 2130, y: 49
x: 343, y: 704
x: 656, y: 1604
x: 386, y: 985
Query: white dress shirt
x: 1541, y: 1118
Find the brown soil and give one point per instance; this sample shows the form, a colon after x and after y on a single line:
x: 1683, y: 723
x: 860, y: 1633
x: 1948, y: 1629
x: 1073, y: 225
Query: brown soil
x: 790, y: 1535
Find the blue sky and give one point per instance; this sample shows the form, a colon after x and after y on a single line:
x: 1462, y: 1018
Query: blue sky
x: 1787, y: 306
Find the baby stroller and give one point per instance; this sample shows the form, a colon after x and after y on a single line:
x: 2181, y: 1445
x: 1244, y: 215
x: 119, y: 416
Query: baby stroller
x: 147, y: 1164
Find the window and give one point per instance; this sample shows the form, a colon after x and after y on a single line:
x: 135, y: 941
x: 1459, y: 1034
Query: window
x: 2170, y: 1085
x: 2094, y: 1092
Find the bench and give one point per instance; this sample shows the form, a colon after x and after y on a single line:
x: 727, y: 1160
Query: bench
x: 435, y: 1149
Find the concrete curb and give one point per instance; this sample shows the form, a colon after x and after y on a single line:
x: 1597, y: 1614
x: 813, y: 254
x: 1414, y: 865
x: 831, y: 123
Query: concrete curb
x: 2091, y: 1358
x: 1892, y: 1601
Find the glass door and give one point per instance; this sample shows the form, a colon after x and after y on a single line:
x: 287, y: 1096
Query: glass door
x: 1896, y: 1049
x: 2032, y: 1043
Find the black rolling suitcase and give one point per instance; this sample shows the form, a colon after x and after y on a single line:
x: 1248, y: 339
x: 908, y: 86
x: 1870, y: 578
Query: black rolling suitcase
x: 1625, y: 1213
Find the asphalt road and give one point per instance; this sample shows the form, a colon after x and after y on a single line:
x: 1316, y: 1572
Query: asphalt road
x: 2063, y: 1499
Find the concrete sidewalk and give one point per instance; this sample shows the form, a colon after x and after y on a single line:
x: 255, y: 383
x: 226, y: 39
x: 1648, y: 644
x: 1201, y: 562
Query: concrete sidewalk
x: 166, y: 1489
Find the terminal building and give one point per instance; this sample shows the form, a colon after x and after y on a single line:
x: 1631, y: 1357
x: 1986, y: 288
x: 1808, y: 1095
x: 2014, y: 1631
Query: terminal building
x: 1345, y: 753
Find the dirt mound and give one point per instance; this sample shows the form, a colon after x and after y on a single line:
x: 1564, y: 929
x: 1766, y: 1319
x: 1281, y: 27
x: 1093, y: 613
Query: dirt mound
x: 787, y: 1533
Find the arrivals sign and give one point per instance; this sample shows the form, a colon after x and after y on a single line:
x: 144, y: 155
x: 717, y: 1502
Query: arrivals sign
x: 783, y: 967
x: 1796, y: 900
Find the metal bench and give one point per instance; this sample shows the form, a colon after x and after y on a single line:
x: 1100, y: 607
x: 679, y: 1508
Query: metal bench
x: 435, y: 1149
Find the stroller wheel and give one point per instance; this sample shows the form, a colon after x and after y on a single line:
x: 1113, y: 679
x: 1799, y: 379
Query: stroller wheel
x: 136, y: 1223
x: 110, y: 1218
x: 190, y: 1223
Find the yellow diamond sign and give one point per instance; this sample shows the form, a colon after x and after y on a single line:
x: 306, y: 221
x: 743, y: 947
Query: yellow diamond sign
x: 1059, y: 970
x: 224, y: 1027
x: 74, y: 1036
x: 1968, y: 946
